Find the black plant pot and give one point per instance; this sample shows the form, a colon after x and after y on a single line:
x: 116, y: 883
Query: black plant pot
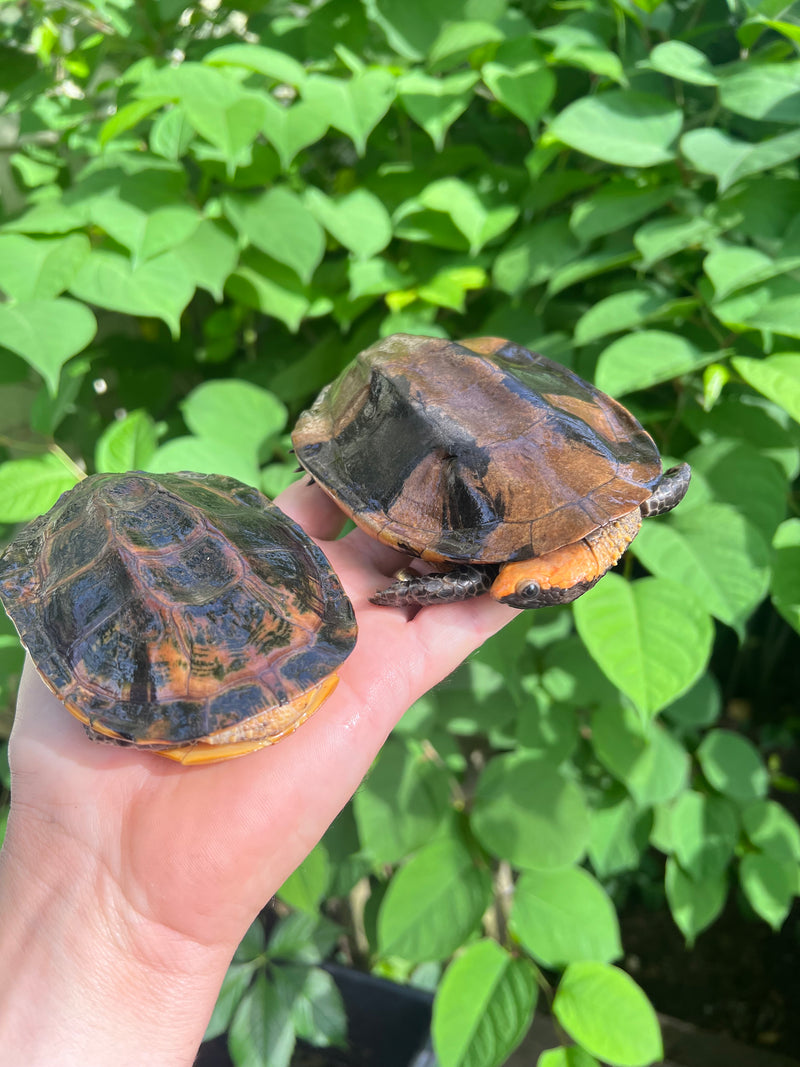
x: 388, y: 1026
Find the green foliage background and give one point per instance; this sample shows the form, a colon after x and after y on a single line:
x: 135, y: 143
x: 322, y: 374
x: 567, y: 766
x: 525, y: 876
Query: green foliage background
x: 208, y: 210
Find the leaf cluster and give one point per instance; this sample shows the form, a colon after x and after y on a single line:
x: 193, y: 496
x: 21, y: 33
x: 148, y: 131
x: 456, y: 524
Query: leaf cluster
x: 208, y: 210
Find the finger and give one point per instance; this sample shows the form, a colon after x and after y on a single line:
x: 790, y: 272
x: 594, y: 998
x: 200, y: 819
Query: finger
x: 313, y: 509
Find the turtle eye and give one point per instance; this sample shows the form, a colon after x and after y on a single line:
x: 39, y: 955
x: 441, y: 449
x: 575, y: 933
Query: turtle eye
x: 527, y: 590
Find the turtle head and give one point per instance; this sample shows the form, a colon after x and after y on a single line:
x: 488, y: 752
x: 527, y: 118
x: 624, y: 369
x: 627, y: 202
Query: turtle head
x: 555, y: 578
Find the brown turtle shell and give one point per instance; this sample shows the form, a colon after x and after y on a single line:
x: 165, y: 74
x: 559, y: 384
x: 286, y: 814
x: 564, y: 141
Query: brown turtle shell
x: 478, y: 451
x: 164, y: 609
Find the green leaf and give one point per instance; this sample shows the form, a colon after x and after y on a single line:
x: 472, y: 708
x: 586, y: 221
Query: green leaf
x: 662, y: 238
x: 588, y: 267
x: 534, y: 254
x: 401, y: 804
x: 527, y: 90
x: 234, y: 986
x: 473, y: 215
x: 771, y: 828
x: 770, y: 886
x: 206, y: 456
x: 729, y: 159
x: 647, y: 760
x: 46, y: 333
x: 359, y: 221
x: 621, y: 126
x: 701, y: 706
x: 448, y: 288
x: 457, y: 41
x: 436, y: 103
x: 682, y: 61
x: 733, y: 765
x: 280, y: 224
x: 732, y: 267
x: 526, y: 812
x: 777, y: 377
x: 129, y: 116
x: 225, y: 115
x: 272, y: 288
x: 617, y: 313
x: 278, y: 66
x: 483, y: 1007
x: 434, y: 903
x: 616, y: 843
x: 303, y: 937
x: 785, y: 586
x: 773, y: 307
x: 160, y: 288
x: 650, y: 637
x: 262, y: 1033
x: 318, y: 1012
x: 306, y: 886
x: 171, y: 134
x: 645, y: 358
x: 234, y: 412
x: 766, y: 91
x: 715, y: 552
x: 564, y: 916
x: 694, y: 903
x: 36, y: 269
x: 291, y: 129
x: 604, y: 1010
x: 208, y: 256
x: 576, y: 43
x: 355, y: 106
x: 374, y: 277
x: 726, y: 466
x: 705, y: 832
x: 615, y: 205
x: 571, y: 1056
x: 145, y: 232
x: 127, y: 444
x: 30, y: 487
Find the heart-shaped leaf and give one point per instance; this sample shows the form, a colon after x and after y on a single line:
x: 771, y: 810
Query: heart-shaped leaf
x: 39, y: 270
x: 359, y: 221
x: 290, y: 129
x: 160, y: 287
x: 280, y: 224
x: 355, y: 106
x: 651, y: 638
x: 436, y: 103
x: 46, y: 333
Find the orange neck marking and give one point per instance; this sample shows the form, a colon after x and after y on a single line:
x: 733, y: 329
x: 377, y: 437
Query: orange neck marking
x: 583, y: 561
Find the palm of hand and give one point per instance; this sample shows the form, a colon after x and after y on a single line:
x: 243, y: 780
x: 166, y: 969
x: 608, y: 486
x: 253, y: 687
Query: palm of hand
x: 196, y: 852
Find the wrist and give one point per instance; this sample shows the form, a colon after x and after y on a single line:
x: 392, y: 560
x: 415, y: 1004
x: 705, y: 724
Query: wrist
x: 84, y: 978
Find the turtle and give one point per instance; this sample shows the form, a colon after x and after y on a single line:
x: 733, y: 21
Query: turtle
x: 524, y: 479
x: 183, y: 614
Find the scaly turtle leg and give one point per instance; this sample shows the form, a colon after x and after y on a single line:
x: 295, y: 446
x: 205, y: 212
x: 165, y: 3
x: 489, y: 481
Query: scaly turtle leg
x: 460, y: 583
x: 670, y: 491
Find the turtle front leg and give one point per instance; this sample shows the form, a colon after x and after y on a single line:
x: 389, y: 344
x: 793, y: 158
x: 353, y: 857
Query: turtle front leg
x: 460, y: 583
x: 670, y: 491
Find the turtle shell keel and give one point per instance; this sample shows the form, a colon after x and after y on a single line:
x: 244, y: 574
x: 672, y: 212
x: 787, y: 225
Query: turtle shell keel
x: 485, y: 454
x: 180, y: 613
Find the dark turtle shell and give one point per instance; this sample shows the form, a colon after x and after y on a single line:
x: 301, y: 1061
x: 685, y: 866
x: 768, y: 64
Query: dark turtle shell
x: 175, y: 610
x: 479, y: 451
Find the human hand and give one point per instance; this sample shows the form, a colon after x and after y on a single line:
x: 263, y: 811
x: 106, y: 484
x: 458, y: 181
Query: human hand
x: 166, y: 866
